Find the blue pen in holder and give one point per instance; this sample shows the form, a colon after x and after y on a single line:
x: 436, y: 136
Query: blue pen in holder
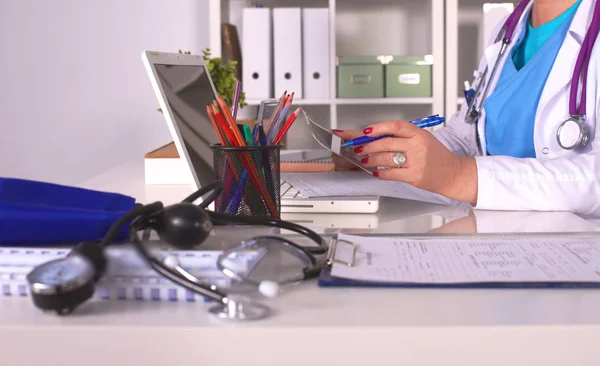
x: 250, y: 175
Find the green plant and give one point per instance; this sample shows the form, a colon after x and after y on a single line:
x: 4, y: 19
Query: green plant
x: 223, y: 77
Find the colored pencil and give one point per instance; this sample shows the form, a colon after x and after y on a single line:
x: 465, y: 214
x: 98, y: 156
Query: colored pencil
x: 236, y: 100
x: 218, y: 131
x: 286, y: 126
x: 229, y: 164
x: 265, y: 160
x: 278, y: 108
x: 247, y: 163
x: 224, y: 126
x: 234, y: 162
x: 274, y: 129
x: 236, y: 132
x: 242, y: 166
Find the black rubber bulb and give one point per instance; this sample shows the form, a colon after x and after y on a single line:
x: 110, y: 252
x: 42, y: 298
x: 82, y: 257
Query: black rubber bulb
x: 183, y: 225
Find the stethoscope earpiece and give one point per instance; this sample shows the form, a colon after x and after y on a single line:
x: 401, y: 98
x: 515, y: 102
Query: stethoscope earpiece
x: 269, y: 289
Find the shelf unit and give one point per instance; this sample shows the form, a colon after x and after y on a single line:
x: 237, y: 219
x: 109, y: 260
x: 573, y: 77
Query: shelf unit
x: 466, y: 36
x: 452, y: 31
x: 344, y: 39
x: 356, y: 101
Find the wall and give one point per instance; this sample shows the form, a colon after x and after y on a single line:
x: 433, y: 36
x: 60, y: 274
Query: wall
x: 75, y: 98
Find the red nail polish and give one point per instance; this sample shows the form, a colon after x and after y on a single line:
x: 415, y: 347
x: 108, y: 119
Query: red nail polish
x: 367, y: 131
x: 338, y: 130
x: 358, y: 149
x: 376, y: 173
x: 364, y: 160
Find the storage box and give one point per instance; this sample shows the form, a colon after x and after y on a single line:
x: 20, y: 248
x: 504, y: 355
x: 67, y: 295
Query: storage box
x: 408, y: 76
x: 360, y: 77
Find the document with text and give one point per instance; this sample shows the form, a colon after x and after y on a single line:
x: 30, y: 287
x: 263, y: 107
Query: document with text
x: 358, y: 183
x: 471, y: 260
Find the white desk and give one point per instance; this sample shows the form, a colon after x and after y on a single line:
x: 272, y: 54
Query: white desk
x: 312, y: 325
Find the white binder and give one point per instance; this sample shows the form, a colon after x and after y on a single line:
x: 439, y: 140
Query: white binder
x: 287, y: 49
x: 315, y: 41
x: 257, y: 71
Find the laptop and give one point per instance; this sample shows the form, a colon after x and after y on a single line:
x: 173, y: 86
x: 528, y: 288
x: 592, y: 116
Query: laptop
x: 183, y: 86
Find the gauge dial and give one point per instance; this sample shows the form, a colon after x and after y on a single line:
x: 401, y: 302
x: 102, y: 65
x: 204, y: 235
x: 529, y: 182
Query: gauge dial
x: 61, y: 275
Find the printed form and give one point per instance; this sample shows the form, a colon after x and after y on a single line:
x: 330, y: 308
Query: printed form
x: 473, y: 260
x: 357, y: 183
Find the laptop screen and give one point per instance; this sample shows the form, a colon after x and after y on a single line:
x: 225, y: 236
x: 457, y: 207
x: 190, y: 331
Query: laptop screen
x: 187, y: 89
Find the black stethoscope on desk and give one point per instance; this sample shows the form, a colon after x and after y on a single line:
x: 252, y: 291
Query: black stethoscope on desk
x: 63, y: 284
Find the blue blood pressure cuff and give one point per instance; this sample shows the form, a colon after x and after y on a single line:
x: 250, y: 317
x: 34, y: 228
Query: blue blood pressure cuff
x: 33, y: 212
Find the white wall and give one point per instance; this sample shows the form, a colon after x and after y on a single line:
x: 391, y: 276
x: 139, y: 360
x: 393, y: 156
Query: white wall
x: 74, y: 96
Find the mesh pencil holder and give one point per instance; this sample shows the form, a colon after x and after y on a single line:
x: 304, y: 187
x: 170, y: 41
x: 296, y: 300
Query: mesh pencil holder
x: 250, y: 176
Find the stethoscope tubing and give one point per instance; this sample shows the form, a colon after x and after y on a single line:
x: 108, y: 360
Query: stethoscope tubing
x: 577, y: 111
x: 309, y: 260
x: 142, y: 216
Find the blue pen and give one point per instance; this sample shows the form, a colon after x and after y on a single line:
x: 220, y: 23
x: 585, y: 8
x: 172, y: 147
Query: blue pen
x: 421, y: 123
x: 265, y: 157
x: 469, y: 93
x: 234, y: 204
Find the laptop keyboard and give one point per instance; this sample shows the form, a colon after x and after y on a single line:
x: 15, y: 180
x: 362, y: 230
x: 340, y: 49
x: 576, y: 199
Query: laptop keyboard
x: 288, y: 191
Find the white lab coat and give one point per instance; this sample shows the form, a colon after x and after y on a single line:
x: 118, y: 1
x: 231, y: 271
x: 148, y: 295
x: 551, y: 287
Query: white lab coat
x: 557, y: 179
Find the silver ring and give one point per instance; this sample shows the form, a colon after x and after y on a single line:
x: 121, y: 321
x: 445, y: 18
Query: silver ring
x: 399, y: 158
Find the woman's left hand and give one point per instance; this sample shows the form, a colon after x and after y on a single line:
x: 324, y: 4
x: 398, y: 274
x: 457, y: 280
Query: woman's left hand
x: 429, y: 165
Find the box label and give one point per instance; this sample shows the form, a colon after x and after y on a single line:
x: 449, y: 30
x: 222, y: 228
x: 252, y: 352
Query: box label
x: 412, y: 79
x: 360, y: 79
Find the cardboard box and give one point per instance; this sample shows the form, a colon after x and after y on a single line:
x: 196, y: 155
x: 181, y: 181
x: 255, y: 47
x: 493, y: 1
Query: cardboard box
x: 408, y: 76
x: 360, y: 77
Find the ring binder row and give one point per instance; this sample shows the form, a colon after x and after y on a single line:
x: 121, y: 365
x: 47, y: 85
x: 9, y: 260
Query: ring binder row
x: 331, y: 253
x: 127, y: 277
x: 115, y: 288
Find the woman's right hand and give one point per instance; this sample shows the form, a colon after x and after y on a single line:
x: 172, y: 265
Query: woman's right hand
x: 339, y: 162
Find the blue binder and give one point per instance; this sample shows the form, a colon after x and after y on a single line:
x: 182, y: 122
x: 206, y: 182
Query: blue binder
x: 40, y: 213
x: 326, y: 280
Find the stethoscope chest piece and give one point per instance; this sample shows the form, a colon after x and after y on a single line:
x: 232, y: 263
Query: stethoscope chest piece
x: 572, y: 134
x: 239, y: 310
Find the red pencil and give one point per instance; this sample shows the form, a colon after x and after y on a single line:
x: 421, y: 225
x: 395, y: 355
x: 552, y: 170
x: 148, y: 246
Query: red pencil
x: 287, y: 125
x: 278, y: 109
x: 224, y: 126
x: 244, y: 159
x: 215, y: 125
x: 236, y: 132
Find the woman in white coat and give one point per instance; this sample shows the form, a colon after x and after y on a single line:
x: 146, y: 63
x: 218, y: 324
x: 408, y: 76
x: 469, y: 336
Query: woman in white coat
x: 511, y: 158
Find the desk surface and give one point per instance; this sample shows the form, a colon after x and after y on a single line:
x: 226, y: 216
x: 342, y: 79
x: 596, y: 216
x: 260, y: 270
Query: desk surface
x: 394, y: 216
x: 348, y: 326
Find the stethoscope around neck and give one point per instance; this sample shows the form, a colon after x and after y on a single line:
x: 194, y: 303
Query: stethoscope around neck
x: 571, y: 133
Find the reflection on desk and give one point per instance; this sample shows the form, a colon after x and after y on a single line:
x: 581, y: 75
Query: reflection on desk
x: 394, y: 215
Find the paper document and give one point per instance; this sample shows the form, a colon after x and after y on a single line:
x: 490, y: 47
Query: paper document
x: 334, y: 144
x: 473, y: 260
x: 128, y: 276
x: 357, y: 183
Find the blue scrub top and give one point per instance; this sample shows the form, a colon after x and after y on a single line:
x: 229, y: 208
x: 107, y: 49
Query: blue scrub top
x: 511, y: 108
x: 535, y: 38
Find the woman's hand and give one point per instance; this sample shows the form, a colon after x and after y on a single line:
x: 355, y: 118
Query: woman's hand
x: 429, y: 164
x: 339, y: 162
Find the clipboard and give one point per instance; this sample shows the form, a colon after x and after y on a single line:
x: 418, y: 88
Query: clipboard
x: 326, y: 279
x: 334, y: 144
